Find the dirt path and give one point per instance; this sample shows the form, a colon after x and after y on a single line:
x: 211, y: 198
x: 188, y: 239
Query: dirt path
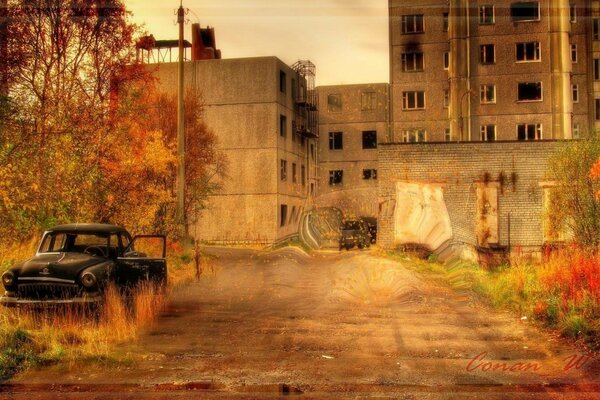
x: 333, y: 325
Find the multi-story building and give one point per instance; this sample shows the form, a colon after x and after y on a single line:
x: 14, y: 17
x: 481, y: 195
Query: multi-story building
x: 462, y: 70
x: 353, y: 120
x: 263, y: 115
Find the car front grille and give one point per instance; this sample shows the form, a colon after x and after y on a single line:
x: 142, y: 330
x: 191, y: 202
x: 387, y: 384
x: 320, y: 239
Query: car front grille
x: 47, y: 291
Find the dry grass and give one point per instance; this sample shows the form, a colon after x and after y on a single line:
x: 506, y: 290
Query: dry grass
x: 73, y: 335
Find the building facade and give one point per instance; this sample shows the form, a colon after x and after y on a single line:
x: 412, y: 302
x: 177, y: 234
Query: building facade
x: 353, y: 121
x: 462, y: 70
x: 261, y: 112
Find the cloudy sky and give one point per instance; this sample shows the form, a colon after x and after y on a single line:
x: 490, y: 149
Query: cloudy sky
x: 346, y: 39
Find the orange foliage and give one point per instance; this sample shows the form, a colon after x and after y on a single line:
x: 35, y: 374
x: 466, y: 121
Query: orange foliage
x: 573, y: 275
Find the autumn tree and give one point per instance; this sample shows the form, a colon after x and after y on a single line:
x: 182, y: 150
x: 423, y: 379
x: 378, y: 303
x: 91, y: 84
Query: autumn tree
x: 574, y: 204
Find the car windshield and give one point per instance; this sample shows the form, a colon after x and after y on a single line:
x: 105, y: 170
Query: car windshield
x: 74, y: 242
x: 351, y: 225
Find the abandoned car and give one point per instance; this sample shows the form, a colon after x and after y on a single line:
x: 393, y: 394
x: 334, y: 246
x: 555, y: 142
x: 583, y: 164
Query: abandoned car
x: 354, y: 233
x: 75, y: 263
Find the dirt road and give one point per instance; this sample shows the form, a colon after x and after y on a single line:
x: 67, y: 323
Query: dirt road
x: 337, y: 325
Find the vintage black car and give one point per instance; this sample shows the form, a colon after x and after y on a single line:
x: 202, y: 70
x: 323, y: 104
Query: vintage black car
x: 75, y: 263
x: 354, y: 233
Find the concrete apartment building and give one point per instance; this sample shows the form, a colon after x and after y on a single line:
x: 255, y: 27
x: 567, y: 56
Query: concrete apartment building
x: 489, y: 70
x: 353, y: 120
x: 261, y: 111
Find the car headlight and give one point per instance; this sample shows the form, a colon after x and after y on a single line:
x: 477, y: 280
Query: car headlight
x: 88, y: 279
x: 8, y: 278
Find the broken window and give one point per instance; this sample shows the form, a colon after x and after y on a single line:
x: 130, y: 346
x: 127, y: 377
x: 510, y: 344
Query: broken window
x: 294, y: 174
x: 336, y: 140
x: 575, y: 93
x: 282, y: 125
x: 412, y: 24
x: 596, y: 69
x: 597, y: 109
x: 369, y: 139
x: 447, y: 136
x: 529, y: 131
x: 368, y: 101
x: 336, y: 177
x: 488, y: 133
x: 283, y: 170
x: 445, y: 22
x: 282, y: 214
x: 282, y: 82
x: 334, y: 103
x: 487, y: 94
x: 413, y: 100
x: 446, y: 98
x: 447, y: 60
x: 572, y: 13
x: 303, y: 175
x: 596, y: 29
x: 414, y: 135
x: 573, y: 53
x: 369, y: 174
x: 487, y: 54
x: 412, y: 62
x: 525, y: 11
x: 530, y: 91
x: 529, y: 51
x: 486, y: 14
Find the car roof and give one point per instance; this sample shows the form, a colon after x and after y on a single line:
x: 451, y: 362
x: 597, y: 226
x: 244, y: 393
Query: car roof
x: 87, y: 228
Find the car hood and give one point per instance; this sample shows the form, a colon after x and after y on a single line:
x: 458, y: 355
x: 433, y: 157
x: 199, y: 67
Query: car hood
x: 56, y: 265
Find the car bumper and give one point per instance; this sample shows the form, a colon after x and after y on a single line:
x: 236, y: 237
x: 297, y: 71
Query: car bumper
x: 7, y: 301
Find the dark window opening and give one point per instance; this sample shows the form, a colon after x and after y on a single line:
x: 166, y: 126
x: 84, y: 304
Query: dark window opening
x: 282, y: 214
x: 336, y: 140
x: 294, y: 173
x: 303, y: 175
x: 529, y: 51
x: 369, y: 139
x: 487, y: 54
x: 446, y: 24
x: 413, y: 100
x: 282, y: 125
x: 282, y: 82
x: 530, y: 91
x: 369, y: 174
x: 336, y: 177
x: 525, y: 11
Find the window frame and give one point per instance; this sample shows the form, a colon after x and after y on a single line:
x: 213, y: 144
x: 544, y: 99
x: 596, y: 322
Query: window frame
x: 483, y: 54
x: 537, y: 52
x: 332, y: 107
x: 537, y: 127
x: 404, y: 59
x: 416, y: 18
x: 482, y: 14
x: 416, y: 94
x: 333, y: 140
x: 483, y: 133
x: 417, y: 133
x: 369, y: 174
x: 483, y: 92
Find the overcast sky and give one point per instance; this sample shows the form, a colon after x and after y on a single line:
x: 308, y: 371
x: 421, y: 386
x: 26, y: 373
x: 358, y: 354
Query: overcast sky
x: 346, y: 39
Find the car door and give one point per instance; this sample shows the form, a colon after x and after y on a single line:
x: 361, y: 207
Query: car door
x: 144, y: 259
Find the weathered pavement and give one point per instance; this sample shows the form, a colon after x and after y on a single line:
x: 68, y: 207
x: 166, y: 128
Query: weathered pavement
x: 347, y: 325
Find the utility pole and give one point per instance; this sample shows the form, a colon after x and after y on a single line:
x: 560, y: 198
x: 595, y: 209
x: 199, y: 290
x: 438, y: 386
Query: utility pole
x: 181, y: 220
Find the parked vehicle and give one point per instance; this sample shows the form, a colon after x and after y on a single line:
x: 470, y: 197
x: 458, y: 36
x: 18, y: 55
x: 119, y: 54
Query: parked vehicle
x: 75, y: 263
x: 354, y: 233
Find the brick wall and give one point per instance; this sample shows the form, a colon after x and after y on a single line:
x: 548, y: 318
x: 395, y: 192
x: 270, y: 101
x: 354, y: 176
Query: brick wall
x: 459, y: 168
